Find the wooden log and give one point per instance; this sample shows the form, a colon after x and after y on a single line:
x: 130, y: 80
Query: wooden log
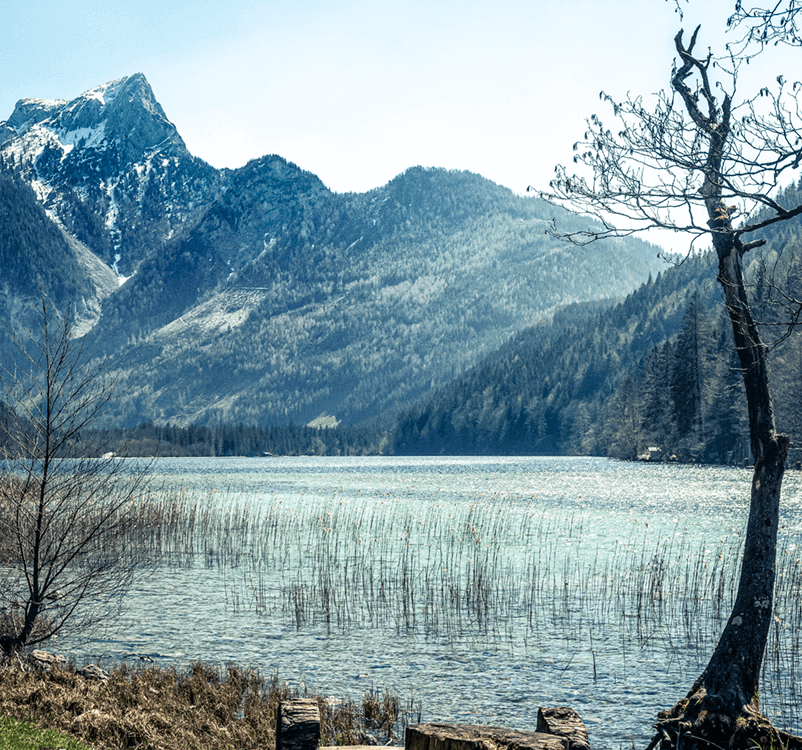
x: 477, y: 737
x: 298, y: 727
x: 564, y: 722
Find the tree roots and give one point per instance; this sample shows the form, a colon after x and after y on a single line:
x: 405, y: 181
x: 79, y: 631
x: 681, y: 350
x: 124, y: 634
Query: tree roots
x: 693, y: 724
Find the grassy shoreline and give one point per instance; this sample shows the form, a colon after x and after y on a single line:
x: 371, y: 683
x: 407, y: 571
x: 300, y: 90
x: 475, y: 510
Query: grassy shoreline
x: 151, y: 708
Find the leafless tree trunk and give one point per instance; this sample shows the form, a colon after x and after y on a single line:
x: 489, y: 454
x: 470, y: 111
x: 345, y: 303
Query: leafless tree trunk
x: 730, y: 680
x: 689, y: 157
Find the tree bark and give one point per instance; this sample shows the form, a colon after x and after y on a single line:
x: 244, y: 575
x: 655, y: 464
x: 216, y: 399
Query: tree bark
x: 729, y: 683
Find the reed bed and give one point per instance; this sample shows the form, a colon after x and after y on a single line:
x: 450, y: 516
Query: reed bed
x: 510, y: 572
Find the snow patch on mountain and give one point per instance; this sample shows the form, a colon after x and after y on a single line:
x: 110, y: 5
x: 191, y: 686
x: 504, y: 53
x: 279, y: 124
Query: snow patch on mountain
x: 28, y: 148
x: 30, y: 111
x: 113, y: 210
x: 106, y: 93
x: 92, y: 137
x: 97, y: 95
x: 42, y: 190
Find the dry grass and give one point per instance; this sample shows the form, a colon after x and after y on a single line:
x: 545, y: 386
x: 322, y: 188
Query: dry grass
x: 379, y: 717
x: 153, y: 708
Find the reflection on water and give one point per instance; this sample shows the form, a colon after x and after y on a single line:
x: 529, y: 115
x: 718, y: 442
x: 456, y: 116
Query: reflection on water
x: 485, y: 587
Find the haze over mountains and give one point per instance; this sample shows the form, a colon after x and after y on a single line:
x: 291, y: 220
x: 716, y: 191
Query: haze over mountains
x: 257, y: 295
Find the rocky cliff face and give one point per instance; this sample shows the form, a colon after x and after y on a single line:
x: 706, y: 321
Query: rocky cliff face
x: 110, y: 167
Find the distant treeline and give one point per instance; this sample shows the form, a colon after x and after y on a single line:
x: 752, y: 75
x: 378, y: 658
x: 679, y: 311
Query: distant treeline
x: 237, y: 440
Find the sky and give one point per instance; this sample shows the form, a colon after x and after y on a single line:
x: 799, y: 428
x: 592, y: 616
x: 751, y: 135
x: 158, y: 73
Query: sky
x: 357, y: 91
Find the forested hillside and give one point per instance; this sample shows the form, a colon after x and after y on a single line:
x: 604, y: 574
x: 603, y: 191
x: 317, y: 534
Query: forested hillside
x: 544, y: 391
x: 657, y: 370
x: 285, y: 301
x: 687, y: 395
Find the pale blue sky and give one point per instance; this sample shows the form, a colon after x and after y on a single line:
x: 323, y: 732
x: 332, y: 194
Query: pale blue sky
x: 356, y: 91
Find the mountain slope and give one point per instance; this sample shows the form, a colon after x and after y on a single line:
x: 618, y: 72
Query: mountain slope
x: 268, y: 193
x: 543, y: 390
x: 289, y: 302
x: 258, y: 295
x: 36, y: 254
x: 658, y: 369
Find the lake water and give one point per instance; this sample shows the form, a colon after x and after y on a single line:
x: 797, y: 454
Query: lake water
x: 482, y: 587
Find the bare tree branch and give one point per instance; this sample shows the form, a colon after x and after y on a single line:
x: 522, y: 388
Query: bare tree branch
x: 766, y: 26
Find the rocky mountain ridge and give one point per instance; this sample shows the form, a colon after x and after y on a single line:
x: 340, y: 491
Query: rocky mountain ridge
x: 258, y: 295
x: 110, y: 168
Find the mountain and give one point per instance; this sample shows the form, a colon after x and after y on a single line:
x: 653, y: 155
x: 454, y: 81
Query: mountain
x: 657, y: 369
x: 110, y: 167
x: 543, y: 390
x: 257, y: 295
x: 286, y: 302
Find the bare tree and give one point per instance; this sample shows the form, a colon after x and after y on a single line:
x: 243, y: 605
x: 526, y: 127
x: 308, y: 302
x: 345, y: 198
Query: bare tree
x: 702, y: 162
x: 760, y: 26
x: 771, y: 25
x: 66, y: 523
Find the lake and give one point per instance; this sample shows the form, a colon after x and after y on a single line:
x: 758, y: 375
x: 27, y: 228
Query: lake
x: 482, y: 588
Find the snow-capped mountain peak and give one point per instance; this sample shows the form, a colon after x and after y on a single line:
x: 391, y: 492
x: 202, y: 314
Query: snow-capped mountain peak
x: 110, y: 152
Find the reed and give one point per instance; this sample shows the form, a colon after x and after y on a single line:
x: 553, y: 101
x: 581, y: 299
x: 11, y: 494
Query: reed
x: 493, y: 570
